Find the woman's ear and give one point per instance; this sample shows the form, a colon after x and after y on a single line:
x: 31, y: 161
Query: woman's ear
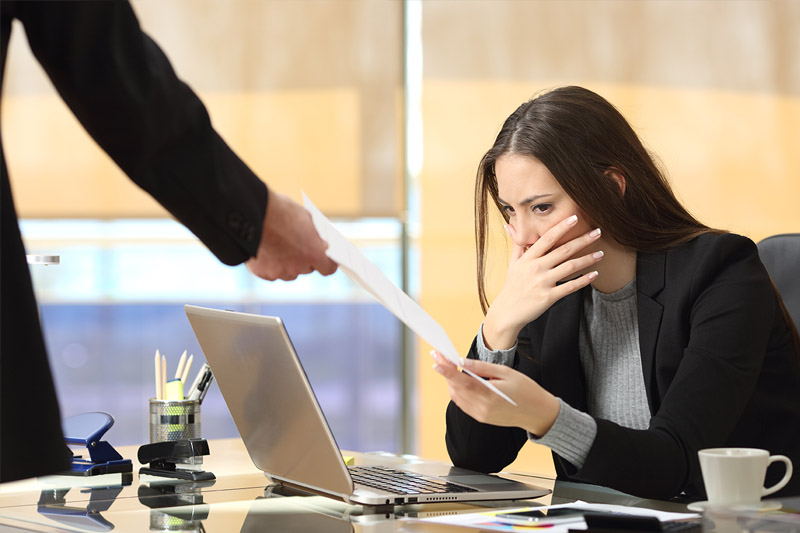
x: 616, y: 175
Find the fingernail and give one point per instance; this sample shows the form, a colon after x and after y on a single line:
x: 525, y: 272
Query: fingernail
x: 438, y: 369
x: 598, y: 255
x: 466, y: 363
x: 505, y: 227
x: 433, y: 353
x: 572, y: 220
x: 595, y: 232
x: 593, y: 275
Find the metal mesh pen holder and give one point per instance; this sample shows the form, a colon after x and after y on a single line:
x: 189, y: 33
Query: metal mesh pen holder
x: 175, y: 420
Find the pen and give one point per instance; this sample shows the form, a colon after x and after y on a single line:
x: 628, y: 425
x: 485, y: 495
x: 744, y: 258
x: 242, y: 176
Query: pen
x: 202, y: 387
x: 205, y: 384
x: 203, y: 368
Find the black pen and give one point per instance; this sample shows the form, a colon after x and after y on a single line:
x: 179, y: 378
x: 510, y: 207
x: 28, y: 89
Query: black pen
x: 191, y: 392
x: 202, y: 387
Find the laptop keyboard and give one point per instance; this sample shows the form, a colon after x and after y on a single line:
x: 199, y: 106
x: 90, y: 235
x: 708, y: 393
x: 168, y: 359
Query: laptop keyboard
x: 402, y: 482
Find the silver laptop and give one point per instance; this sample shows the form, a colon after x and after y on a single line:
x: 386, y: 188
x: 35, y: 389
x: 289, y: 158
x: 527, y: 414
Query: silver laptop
x: 286, y: 434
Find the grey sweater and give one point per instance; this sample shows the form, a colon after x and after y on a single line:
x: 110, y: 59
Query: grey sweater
x: 611, y: 361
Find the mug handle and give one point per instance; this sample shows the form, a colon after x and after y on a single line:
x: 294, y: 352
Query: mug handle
x: 786, y: 477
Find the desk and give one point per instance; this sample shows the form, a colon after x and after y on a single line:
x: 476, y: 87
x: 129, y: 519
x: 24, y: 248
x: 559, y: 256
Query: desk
x: 240, y: 499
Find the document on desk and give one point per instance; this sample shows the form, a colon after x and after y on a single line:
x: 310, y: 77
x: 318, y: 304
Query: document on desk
x: 486, y: 521
x: 365, y: 273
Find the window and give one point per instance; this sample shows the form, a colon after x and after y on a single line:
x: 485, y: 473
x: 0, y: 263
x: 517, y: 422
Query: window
x: 118, y: 294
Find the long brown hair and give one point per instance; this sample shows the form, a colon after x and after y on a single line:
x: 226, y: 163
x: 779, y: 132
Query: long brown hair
x: 578, y: 136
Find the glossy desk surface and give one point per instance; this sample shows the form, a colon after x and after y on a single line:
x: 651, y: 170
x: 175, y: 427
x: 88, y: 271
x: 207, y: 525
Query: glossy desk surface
x: 240, y: 499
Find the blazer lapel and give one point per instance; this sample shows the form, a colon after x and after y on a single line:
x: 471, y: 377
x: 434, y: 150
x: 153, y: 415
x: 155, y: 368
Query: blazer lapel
x: 650, y: 271
x: 562, y: 373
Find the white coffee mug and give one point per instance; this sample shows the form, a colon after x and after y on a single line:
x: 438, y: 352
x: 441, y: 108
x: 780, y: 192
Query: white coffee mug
x: 735, y: 476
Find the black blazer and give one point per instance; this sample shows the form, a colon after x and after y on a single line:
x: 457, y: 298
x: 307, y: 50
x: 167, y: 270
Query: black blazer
x: 719, y: 370
x: 121, y: 87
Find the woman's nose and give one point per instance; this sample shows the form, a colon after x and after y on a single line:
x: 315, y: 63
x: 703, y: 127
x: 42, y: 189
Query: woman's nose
x: 526, y: 235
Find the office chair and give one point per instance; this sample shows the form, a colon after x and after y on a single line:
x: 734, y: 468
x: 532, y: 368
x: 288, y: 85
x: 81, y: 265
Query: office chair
x: 781, y: 255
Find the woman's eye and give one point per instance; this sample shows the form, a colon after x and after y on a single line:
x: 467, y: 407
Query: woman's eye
x: 508, y: 210
x: 541, y: 208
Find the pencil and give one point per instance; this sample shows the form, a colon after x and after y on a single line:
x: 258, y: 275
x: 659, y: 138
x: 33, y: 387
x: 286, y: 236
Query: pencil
x: 163, y: 376
x: 185, y: 374
x: 182, y: 362
x: 159, y: 392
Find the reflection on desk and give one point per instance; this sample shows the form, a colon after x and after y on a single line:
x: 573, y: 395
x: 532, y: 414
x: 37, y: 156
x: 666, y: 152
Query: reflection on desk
x: 175, y: 505
x: 242, y: 499
x: 53, y: 505
x: 293, y: 514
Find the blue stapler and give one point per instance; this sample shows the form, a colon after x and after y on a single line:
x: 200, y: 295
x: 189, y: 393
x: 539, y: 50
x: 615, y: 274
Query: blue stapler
x: 87, y: 429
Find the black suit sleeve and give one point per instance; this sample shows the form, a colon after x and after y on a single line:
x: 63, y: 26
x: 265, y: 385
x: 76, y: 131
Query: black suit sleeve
x: 123, y: 90
x: 478, y: 446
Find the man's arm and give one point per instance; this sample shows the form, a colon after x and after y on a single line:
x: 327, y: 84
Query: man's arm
x: 123, y: 90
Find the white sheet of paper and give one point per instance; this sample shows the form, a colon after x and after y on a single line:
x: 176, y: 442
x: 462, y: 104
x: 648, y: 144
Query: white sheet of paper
x: 484, y: 519
x: 365, y: 273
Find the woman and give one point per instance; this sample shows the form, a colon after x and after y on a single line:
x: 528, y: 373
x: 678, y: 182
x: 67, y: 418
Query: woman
x: 629, y: 334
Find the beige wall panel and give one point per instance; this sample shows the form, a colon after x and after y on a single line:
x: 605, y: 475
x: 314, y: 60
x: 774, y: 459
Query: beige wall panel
x: 58, y: 171
x: 308, y: 93
x: 303, y: 140
x: 735, y: 45
x: 732, y: 158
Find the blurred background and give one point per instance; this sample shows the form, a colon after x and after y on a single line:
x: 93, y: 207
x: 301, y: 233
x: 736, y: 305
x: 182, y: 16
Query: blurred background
x: 380, y: 111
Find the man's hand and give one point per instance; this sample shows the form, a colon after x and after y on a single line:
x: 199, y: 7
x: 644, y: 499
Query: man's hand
x: 290, y: 245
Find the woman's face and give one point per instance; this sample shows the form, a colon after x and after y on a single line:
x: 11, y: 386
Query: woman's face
x: 534, y: 201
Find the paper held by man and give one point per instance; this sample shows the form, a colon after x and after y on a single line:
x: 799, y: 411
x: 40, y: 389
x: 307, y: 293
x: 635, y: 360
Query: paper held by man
x: 365, y: 273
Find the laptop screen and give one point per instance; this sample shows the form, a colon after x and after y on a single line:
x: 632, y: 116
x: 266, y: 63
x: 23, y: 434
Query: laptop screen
x: 269, y: 396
